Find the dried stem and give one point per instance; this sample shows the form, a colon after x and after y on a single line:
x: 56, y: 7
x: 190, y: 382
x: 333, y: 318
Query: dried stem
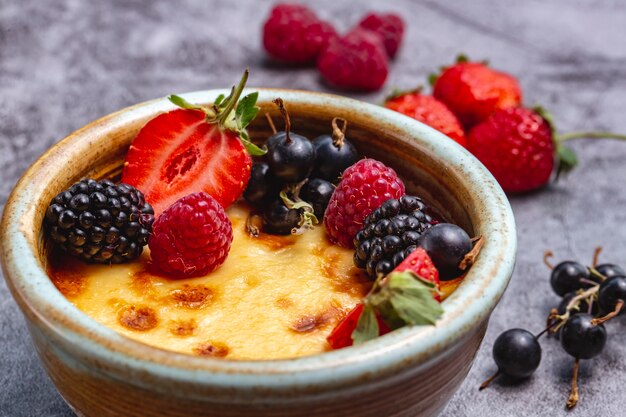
x: 618, y: 307
x: 489, y: 381
x: 573, y: 394
x: 596, y: 256
x: 270, y: 122
x: 469, y: 259
x: 339, y: 134
x: 561, y: 319
x: 283, y: 112
x: 547, y: 255
x: 252, y: 229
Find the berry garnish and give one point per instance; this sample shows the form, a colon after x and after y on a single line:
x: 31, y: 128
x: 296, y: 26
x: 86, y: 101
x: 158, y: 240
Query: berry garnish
x: 521, y: 149
x: 388, y: 27
x: 428, y: 110
x: 289, y: 214
x: 517, y: 354
x: 192, y: 237
x: 412, y: 287
x: 357, y: 61
x: 474, y: 91
x: 611, y: 293
x: 317, y: 192
x: 293, y: 33
x: 195, y: 148
x: 447, y: 245
x: 610, y: 270
x: 389, y: 234
x: 364, y: 187
x: 581, y: 337
x: 333, y: 153
x: 99, y: 221
x: 517, y: 147
x: 262, y: 187
x: 569, y: 276
x: 289, y: 155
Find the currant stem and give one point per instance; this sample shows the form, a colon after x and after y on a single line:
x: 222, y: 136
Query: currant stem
x: 547, y: 255
x: 252, y: 229
x: 589, y: 135
x: 469, y: 259
x: 234, y: 98
x: 283, y: 112
x: 596, y: 256
x: 270, y: 122
x: 618, y: 307
x: 597, y: 274
x: 339, y: 134
x: 489, y: 381
x: 547, y: 329
x: 573, y: 395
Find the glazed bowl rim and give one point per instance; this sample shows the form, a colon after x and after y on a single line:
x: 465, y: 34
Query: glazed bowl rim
x: 468, y: 306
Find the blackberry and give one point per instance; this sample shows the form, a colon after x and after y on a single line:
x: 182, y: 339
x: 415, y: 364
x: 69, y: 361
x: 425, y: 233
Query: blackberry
x: 389, y: 234
x: 100, y: 222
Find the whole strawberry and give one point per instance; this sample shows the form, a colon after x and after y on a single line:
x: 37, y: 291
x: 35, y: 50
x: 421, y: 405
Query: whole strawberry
x: 192, y: 237
x: 357, y: 61
x: 430, y: 111
x: 364, y: 187
x: 473, y: 91
x: 389, y: 27
x: 517, y: 147
x: 293, y: 33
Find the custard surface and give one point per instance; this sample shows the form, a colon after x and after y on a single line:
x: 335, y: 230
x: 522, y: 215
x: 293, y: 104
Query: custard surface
x: 274, y: 296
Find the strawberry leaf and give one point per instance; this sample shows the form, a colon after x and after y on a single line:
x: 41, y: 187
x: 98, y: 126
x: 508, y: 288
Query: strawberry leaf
x: 246, y: 110
x: 367, y: 326
x: 412, y: 298
x: 252, y: 149
x: 432, y: 79
x: 219, y: 100
x: 567, y: 160
x: 182, y: 103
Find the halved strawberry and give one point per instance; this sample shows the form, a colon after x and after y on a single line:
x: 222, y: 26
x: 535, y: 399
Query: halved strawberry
x: 194, y: 149
x: 418, y: 262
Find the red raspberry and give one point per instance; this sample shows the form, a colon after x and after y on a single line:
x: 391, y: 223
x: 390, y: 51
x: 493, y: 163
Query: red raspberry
x: 516, y: 145
x: 389, y: 27
x: 293, y: 33
x: 357, y: 61
x: 363, y: 188
x: 191, y: 237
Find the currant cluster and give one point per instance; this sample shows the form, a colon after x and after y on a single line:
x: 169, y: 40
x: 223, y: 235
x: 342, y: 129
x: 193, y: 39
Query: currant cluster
x: 591, y: 296
x: 291, y: 184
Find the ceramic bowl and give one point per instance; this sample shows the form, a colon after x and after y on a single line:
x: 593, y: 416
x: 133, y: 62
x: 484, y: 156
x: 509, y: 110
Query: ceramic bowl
x: 410, y: 372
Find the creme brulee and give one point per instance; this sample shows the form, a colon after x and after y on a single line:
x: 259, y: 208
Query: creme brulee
x: 274, y: 296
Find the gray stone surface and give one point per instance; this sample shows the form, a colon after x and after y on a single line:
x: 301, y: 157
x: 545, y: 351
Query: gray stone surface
x: 64, y: 63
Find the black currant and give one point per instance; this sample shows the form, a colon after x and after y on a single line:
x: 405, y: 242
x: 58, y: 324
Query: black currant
x: 610, y: 270
x: 611, y: 291
x: 289, y: 155
x: 517, y: 353
x: 280, y: 220
x: 446, y: 244
x: 583, y: 305
x: 262, y: 186
x: 581, y: 338
x: 317, y: 192
x: 333, y: 153
x: 569, y: 276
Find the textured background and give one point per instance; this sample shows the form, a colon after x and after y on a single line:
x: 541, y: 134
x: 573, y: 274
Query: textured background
x: 64, y: 63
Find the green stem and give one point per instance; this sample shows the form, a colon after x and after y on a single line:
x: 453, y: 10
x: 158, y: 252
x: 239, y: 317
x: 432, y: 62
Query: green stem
x: 589, y: 135
x: 234, y: 98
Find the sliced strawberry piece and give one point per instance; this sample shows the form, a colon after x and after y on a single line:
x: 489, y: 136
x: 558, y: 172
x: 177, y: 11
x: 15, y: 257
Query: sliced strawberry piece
x: 341, y: 336
x: 194, y: 149
x: 420, y: 263
x: 179, y: 153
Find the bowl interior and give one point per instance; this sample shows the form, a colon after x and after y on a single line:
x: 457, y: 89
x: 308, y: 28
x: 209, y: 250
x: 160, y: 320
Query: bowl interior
x: 431, y: 165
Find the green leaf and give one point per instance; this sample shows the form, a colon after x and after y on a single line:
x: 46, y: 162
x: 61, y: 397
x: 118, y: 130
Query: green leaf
x: 567, y: 160
x: 547, y: 116
x: 461, y: 58
x: 432, y: 79
x: 182, y: 103
x: 367, y: 326
x: 247, y: 110
x: 252, y: 149
x: 219, y: 100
